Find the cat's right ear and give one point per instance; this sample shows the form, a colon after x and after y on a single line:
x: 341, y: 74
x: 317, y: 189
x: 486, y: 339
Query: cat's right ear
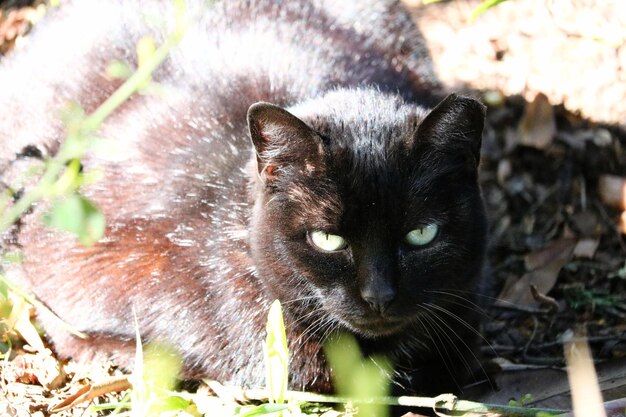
x: 280, y: 139
x: 455, y: 127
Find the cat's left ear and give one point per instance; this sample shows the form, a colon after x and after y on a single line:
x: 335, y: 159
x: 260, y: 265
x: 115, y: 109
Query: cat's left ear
x: 455, y: 127
x: 282, y: 141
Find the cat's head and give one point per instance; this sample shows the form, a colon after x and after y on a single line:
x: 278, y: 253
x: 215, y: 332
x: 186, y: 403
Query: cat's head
x: 366, y: 207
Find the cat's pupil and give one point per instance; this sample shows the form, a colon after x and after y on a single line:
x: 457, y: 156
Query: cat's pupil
x: 326, y: 241
x: 422, y: 235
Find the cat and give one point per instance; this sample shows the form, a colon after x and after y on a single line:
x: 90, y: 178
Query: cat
x: 294, y: 153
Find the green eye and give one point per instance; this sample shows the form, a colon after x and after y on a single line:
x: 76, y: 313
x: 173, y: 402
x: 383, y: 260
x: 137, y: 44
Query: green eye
x: 422, y: 236
x: 327, y: 242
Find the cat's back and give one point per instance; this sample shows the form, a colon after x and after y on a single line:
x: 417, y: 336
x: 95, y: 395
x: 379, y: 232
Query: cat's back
x: 192, y: 133
x: 233, y: 53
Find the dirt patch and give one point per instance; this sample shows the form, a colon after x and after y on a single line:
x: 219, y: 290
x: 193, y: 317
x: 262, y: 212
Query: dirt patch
x: 574, y: 51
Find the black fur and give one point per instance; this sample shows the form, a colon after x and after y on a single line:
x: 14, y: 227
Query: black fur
x: 205, y: 229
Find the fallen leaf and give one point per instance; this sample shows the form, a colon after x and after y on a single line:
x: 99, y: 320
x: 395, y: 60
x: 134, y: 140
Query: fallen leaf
x: 91, y: 391
x: 612, y: 191
x: 586, y: 248
x: 537, y: 127
x: 504, y: 170
x: 587, y: 224
x: 39, y: 368
x: 557, y: 251
x: 519, y: 293
x: 20, y: 319
x: 543, y: 269
x: 622, y: 223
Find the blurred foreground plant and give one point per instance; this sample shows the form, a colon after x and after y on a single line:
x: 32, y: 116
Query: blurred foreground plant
x: 61, y: 176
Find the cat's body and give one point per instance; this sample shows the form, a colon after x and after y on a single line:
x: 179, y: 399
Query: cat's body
x: 203, y: 233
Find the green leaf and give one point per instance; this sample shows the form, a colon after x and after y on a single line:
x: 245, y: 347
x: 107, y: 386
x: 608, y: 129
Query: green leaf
x: 262, y: 409
x: 483, y: 7
x: 620, y: 273
x: 72, y: 116
x: 4, y: 289
x: 77, y: 215
x: 276, y: 354
x: 180, y: 10
x: 172, y: 403
x: 357, y: 377
x: 14, y: 257
x: 69, y: 180
x: 161, y: 368
x: 145, y: 52
x: 118, y: 70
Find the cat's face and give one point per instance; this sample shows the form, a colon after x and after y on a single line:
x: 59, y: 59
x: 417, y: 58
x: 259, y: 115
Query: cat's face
x: 367, y: 208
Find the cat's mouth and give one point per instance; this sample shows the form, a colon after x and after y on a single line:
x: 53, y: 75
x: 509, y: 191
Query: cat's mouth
x: 378, y: 326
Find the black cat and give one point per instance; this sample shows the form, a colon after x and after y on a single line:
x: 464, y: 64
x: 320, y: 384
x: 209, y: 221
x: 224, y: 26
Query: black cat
x: 353, y: 203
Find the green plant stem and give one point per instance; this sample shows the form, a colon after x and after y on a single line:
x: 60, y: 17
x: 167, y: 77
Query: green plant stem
x: 87, y: 127
x: 28, y: 199
x: 483, y: 7
x: 425, y: 402
x: 132, y: 84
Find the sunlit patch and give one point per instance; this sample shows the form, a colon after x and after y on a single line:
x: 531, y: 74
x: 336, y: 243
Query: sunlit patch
x: 422, y: 236
x: 327, y: 242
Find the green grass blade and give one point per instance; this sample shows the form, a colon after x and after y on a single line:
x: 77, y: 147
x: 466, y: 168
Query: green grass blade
x: 276, y: 355
x: 483, y: 7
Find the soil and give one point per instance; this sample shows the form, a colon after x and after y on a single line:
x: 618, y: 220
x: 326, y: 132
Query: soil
x: 573, y: 51
x: 553, y: 74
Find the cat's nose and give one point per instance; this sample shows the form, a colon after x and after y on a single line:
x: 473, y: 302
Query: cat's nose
x: 379, y: 299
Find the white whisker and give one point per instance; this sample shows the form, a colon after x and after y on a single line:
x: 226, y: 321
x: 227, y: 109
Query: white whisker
x: 468, y: 326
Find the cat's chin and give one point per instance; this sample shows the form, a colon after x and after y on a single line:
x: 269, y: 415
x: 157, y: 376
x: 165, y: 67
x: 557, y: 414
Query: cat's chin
x: 378, y: 327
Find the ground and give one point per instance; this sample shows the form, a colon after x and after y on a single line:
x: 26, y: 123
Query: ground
x: 553, y: 173
x: 573, y: 51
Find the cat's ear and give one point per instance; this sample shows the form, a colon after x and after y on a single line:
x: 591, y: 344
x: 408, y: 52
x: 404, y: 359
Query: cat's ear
x: 282, y: 140
x: 455, y: 127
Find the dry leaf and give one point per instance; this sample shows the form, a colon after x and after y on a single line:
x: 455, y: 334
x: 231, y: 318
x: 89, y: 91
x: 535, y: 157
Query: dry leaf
x: 39, y: 368
x: 612, y: 191
x: 504, y: 171
x: 586, y: 248
x: 543, y: 269
x: 519, y: 293
x: 91, y: 391
x: 587, y: 224
x: 14, y: 24
x: 537, y: 127
x: 20, y: 321
x: 557, y: 251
